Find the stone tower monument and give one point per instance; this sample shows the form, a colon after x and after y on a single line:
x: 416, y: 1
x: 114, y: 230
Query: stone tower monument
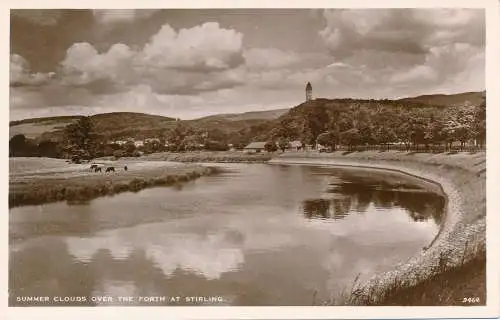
x: 309, y: 91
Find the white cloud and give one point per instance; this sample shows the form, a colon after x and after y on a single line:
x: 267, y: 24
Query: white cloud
x: 418, y: 73
x: 209, y: 69
x: 204, y: 47
x: 84, y: 65
x: 18, y: 68
x: 202, y: 58
x: 400, y: 30
x: 414, y: 48
x: 21, y: 75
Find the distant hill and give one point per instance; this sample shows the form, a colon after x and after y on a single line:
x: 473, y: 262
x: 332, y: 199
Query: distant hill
x: 244, y: 127
x: 252, y: 115
x: 111, y: 124
x: 130, y: 124
x: 117, y: 125
x: 450, y: 100
x: 319, y: 114
x: 37, y: 127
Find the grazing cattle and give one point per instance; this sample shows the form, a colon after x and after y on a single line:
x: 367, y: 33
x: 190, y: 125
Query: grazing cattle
x: 97, y: 169
x: 109, y: 169
x: 93, y: 167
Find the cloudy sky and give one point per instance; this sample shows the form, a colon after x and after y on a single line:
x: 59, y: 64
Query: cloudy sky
x: 191, y: 63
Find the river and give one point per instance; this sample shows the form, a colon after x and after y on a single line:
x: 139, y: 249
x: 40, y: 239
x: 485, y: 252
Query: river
x: 255, y: 235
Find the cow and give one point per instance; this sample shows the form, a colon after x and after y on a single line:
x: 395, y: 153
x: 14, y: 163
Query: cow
x: 109, y: 169
x: 93, y: 167
x: 97, y: 169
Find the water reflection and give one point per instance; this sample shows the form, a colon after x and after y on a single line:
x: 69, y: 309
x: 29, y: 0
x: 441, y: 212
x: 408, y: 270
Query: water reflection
x: 237, y: 235
x: 355, y: 197
x: 327, y: 208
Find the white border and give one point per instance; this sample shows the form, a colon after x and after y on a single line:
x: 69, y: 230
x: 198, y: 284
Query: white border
x: 493, y: 102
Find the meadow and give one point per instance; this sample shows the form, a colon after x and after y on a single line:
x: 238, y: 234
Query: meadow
x: 42, y: 180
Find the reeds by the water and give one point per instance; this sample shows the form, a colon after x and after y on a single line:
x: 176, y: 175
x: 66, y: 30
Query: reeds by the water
x: 446, y: 284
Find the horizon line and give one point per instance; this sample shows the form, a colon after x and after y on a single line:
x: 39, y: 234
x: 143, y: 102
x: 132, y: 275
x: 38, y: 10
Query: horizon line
x: 248, y: 111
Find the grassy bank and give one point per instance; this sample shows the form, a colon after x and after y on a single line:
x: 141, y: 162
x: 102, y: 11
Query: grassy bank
x: 460, y: 285
x: 208, y: 156
x: 42, y: 180
x: 453, y: 266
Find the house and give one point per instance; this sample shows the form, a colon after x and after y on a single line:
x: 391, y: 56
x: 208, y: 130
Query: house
x: 120, y: 142
x: 255, y: 147
x: 295, y: 145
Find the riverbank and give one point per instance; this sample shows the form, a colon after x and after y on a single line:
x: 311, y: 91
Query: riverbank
x: 453, y: 266
x: 42, y: 180
x: 207, y: 156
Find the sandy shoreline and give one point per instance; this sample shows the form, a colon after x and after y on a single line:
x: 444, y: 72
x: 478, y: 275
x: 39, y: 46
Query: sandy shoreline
x: 462, y: 233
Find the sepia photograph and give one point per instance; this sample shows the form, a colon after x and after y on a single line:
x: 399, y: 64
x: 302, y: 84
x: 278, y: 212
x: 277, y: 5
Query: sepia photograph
x: 247, y: 157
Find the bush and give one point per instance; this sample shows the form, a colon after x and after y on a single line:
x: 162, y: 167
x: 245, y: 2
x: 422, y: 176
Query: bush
x: 119, y: 153
x: 216, y: 146
x: 270, y: 146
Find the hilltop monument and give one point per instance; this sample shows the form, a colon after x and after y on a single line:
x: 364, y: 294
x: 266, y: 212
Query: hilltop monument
x: 309, y: 91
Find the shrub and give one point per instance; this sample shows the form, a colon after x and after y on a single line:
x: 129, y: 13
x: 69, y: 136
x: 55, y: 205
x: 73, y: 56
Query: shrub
x: 270, y: 146
x: 119, y: 153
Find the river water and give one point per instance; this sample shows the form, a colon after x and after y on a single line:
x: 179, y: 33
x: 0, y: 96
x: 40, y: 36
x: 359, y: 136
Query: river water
x: 255, y: 235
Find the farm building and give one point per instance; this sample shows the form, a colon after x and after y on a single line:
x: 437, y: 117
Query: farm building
x: 295, y: 145
x: 255, y: 147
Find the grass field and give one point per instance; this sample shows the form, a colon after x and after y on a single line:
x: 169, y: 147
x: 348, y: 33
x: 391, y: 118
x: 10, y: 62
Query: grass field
x: 36, y: 129
x: 208, y: 156
x: 42, y: 180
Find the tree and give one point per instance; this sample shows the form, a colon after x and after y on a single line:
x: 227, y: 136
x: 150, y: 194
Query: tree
x: 434, y: 132
x: 327, y: 139
x: 216, y: 134
x: 153, y: 146
x: 417, y: 125
x: 177, y: 135
x: 119, y: 153
x: 107, y: 150
x: 283, y: 144
x: 315, y: 121
x: 270, y: 146
x: 351, y: 137
x: 81, y: 138
x: 17, y: 145
x: 130, y: 148
x: 238, y: 140
x: 480, y: 123
x: 20, y: 146
x: 459, y: 125
x: 384, y: 134
x: 49, y: 149
x: 213, y: 145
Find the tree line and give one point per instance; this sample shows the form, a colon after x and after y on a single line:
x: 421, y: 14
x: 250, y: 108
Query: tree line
x: 378, y: 124
x: 80, y: 141
x: 330, y: 123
